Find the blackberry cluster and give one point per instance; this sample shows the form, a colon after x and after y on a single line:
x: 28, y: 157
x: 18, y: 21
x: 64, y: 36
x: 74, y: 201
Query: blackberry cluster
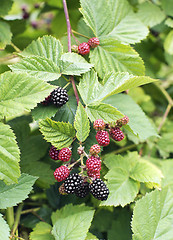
x: 72, y: 183
x: 102, y: 138
x: 59, y: 97
x: 99, y: 189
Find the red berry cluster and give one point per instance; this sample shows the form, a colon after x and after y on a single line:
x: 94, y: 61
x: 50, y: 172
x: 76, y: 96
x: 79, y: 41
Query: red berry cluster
x: 88, y: 181
x: 102, y: 136
x: 84, y: 48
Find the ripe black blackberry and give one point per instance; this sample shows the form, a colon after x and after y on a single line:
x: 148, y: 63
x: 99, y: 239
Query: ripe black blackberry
x: 83, y: 190
x: 72, y: 183
x: 59, y: 96
x: 99, y: 189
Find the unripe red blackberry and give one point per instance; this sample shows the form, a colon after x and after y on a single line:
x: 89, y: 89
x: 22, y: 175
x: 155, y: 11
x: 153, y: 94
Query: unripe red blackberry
x: 59, y: 96
x: 83, y: 190
x: 102, y: 138
x: 122, y: 121
x: 72, y: 183
x: 93, y: 42
x: 93, y: 164
x: 99, y: 124
x: 95, y: 149
x: 84, y: 48
x: 64, y: 154
x: 93, y: 175
x: 61, y: 173
x: 116, y: 134
x: 46, y: 101
x: 99, y: 189
x: 53, y: 153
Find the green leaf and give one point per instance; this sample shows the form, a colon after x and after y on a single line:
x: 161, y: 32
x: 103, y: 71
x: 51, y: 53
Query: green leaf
x: 30, y: 163
x: 21, y: 92
x: 81, y: 124
x: 97, y: 16
x: 59, y: 134
x: 90, y: 236
x: 139, y: 122
x: 103, y: 111
x: 169, y: 22
x: 5, y: 7
x: 166, y: 167
x: 113, y: 18
x: 44, y: 68
x: 144, y: 171
x: 67, y: 112
x: 47, y: 46
x: 43, y: 112
x: 39, y: 67
x: 73, y: 222
x: 92, y: 91
x: 9, y: 155
x: 123, y: 189
x: 111, y: 54
x: 15, y: 193
x: 164, y: 144
x: 42, y: 231
x: 156, y: 209
x: 6, y: 35
x: 167, y: 6
x: 74, y: 64
x: 124, y: 174
x: 130, y: 30
x: 150, y: 14
x: 168, y: 44
x: 4, y: 230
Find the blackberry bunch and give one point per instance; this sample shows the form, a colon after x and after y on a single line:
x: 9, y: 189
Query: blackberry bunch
x: 59, y: 97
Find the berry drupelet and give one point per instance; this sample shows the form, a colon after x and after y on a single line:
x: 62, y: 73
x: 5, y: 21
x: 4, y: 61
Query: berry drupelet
x: 59, y: 96
x: 123, y: 121
x: 64, y: 154
x: 93, y: 42
x: 93, y: 164
x: 99, y: 124
x: 95, y: 149
x: 102, y: 138
x: 61, y: 173
x: 72, y: 183
x: 84, y: 48
x: 83, y: 190
x: 116, y: 134
x: 99, y: 189
x: 93, y: 175
x: 53, y: 153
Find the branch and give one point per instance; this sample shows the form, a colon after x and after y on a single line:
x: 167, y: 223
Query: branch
x: 164, y: 117
x: 69, y: 46
x: 68, y: 25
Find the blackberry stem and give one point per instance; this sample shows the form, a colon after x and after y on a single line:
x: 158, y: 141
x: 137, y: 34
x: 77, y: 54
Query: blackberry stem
x: 69, y: 46
x: 66, y: 85
x: 77, y: 33
x: 71, y: 165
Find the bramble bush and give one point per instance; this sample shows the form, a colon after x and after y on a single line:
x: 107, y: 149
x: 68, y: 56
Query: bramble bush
x: 85, y: 119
